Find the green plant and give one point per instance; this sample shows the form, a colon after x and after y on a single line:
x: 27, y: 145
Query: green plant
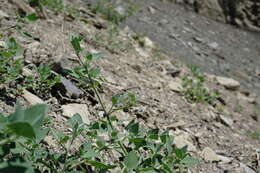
x: 108, y: 144
x: 10, y: 65
x: 107, y: 10
x: 140, y: 150
x: 238, y: 108
x: 255, y: 135
x: 43, y: 80
x: 194, y: 89
x: 20, y: 134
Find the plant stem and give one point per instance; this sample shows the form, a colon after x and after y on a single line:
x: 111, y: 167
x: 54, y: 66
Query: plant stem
x: 10, y: 139
x: 106, y: 113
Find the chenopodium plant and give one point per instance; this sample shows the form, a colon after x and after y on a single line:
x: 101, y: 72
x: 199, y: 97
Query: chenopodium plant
x: 10, y: 65
x: 194, y: 89
x: 43, y: 80
x: 139, y: 150
x: 20, y: 134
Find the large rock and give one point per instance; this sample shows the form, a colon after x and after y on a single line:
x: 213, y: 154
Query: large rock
x: 71, y: 109
x: 245, y: 14
x: 228, y: 83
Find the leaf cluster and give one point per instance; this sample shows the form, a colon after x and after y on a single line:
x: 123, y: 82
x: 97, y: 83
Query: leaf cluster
x: 194, y: 89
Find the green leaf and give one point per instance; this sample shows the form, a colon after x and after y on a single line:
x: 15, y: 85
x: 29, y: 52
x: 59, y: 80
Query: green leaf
x: 22, y: 129
x: 31, y: 17
x: 124, y: 100
x: 3, y: 121
x: 75, y: 120
x: 101, y: 165
x: 94, y: 56
x: 139, y: 142
x: 189, y: 161
x: 133, y: 127
x: 131, y: 161
x: 75, y: 41
x: 35, y: 115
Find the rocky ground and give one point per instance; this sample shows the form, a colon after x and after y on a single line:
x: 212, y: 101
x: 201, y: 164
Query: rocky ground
x: 219, y: 134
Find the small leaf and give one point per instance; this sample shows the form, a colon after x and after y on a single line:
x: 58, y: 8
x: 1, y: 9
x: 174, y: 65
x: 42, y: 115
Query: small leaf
x: 131, y: 161
x: 75, y: 41
x: 94, y: 56
x: 31, y: 17
x: 101, y: 165
x: 133, y: 127
x: 139, y: 142
x: 22, y: 129
x: 76, y: 119
x: 189, y: 161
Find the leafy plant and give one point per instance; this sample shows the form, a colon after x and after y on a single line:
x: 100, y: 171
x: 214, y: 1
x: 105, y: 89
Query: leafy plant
x: 43, y: 80
x: 10, y: 65
x: 194, y: 89
x: 140, y: 150
x: 106, y: 9
x: 18, y: 132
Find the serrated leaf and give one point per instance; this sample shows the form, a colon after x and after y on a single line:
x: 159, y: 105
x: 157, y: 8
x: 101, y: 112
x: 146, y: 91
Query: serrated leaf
x: 189, y: 161
x: 93, y: 56
x: 22, y: 129
x: 75, y: 42
x: 133, y: 127
x: 31, y: 17
x: 35, y: 115
x: 131, y: 161
x: 138, y: 142
x: 123, y: 100
x: 74, y: 120
x: 101, y: 165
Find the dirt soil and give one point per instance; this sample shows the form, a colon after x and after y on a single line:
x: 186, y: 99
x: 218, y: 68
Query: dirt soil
x: 208, y: 130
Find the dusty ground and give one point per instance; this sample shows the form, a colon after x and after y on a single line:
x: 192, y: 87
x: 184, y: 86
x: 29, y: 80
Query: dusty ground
x: 128, y: 66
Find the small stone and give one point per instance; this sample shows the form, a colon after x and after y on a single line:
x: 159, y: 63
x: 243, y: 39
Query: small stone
x: 226, y: 121
x: 49, y: 140
x: 246, y: 168
x: 27, y: 72
x: 198, y: 39
x: 182, y: 140
x: 177, y: 124
x: 72, y: 90
x: 224, y: 159
x: 209, y: 155
x: 2, y: 44
x: 31, y: 98
x: 213, y: 45
x: 148, y: 43
x: 151, y: 10
x: 34, y: 45
x: 3, y: 14
x: 71, y: 109
x: 175, y: 85
x: 228, y: 83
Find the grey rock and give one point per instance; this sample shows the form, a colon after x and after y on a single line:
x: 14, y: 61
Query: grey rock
x: 71, y: 90
x: 226, y: 120
x: 246, y: 168
x: 3, y: 14
x: 209, y: 155
x: 228, y: 83
x: 31, y: 98
x: 71, y: 109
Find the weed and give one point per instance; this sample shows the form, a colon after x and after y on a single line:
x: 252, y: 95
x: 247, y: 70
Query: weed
x: 43, y: 81
x: 193, y: 87
x: 255, y: 135
x: 106, y: 9
x: 238, y: 108
x: 10, y: 65
x: 108, y: 145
